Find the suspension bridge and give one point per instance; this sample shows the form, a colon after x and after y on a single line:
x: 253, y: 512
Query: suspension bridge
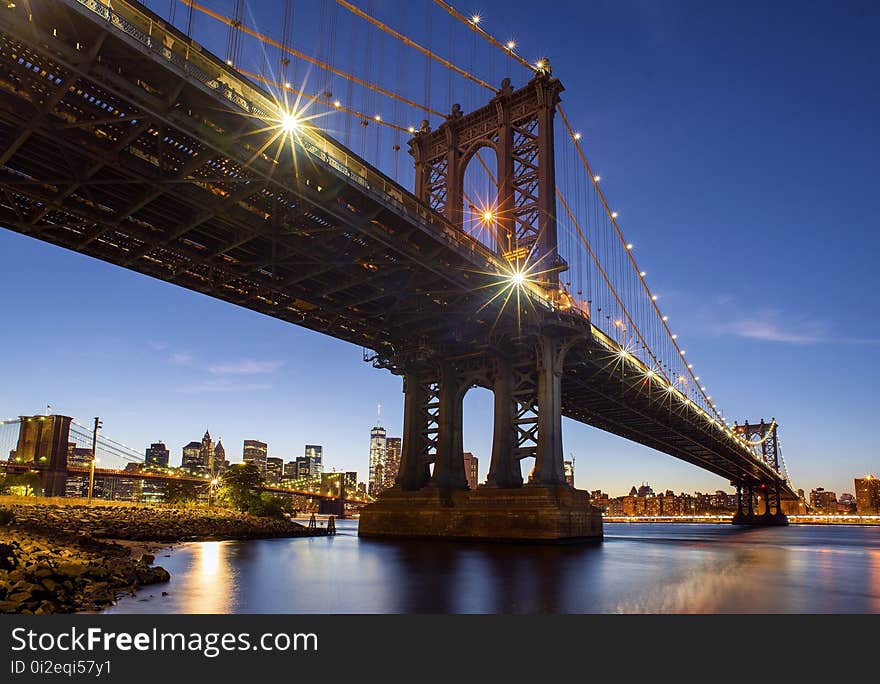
x: 267, y: 172
x: 64, y: 451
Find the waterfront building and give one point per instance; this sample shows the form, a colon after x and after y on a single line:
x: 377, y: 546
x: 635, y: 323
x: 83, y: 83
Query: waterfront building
x: 290, y: 472
x: 274, y: 469
x: 157, y: 454
x: 311, y: 465
x: 392, y: 461
x: 255, y: 451
x: 219, y: 464
x: 868, y: 495
x: 377, y: 460
x: 77, y: 457
x: 192, y: 457
x: 822, y: 501
x: 846, y: 503
x: 471, y: 469
x: 206, y: 454
x: 351, y: 482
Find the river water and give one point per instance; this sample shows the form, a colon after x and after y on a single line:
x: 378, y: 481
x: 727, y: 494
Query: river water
x: 639, y: 567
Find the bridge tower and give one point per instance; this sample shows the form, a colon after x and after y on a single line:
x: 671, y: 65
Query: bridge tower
x: 518, y: 126
x: 522, y: 363
x: 42, y: 445
x: 765, y: 437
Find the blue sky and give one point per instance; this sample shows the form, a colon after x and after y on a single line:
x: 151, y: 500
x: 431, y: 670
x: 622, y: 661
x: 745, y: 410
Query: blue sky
x: 739, y: 141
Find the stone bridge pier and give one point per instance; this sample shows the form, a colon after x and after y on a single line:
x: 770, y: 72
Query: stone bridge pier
x: 749, y: 495
x: 431, y: 496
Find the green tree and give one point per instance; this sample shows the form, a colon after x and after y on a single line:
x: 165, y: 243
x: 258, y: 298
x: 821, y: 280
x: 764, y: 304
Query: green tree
x: 241, y: 485
x: 181, y: 491
x: 23, y: 484
x: 268, y: 506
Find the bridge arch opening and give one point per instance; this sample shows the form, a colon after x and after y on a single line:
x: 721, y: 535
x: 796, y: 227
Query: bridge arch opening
x: 480, y: 202
x: 477, y: 423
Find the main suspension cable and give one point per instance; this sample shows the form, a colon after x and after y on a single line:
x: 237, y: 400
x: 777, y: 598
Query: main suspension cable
x: 311, y: 60
x: 411, y: 43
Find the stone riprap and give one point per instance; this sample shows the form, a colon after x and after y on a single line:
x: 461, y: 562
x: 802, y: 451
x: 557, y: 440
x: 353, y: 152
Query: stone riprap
x: 62, y: 557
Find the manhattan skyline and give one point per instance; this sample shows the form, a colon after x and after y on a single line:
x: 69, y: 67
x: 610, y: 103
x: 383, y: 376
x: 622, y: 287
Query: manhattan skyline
x: 752, y: 216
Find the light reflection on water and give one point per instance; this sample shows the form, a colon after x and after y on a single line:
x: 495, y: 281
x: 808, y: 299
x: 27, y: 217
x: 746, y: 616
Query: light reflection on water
x: 638, y: 568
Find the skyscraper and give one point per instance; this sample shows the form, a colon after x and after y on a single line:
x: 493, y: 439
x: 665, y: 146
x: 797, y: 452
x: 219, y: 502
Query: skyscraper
x: 192, y: 459
x: 315, y: 454
x: 867, y: 495
x: 392, y: 461
x: 290, y: 471
x: 206, y: 454
x: 377, y: 460
x: 157, y: 455
x: 274, y: 469
x: 220, y: 464
x: 471, y: 468
x: 255, y: 452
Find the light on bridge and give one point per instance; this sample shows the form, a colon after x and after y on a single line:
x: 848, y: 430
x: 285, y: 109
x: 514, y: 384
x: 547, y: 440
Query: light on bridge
x: 577, y: 136
x: 654, y: 298
x: 510, y: 45
x: 597, y: 178
x: 290, y: 122
x: 337, y: 104
x: 614, y: 214
x: 642, y: 273
x: 476, y: 19
x: 629, y: 245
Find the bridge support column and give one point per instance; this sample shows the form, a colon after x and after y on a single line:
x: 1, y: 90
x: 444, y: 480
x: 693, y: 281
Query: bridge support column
x: 414, y: 472
x: 546, y: 510
x: 768, y: 517
x: 504, y: 469
x: 449, y: 464
x: 549, y: 468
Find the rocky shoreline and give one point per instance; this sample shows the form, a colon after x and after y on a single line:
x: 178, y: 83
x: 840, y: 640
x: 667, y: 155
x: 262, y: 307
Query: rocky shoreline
x: 65, y: 557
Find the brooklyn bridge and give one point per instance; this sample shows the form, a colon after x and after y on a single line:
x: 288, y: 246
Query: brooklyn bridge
x: 272, y: 178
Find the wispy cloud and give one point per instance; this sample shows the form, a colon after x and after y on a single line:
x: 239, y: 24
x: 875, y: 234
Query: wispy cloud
x: 223, y: 385
x: 245, y: 367
x: 769, y: 328
x: 181, y: 358
x: 157, y: 346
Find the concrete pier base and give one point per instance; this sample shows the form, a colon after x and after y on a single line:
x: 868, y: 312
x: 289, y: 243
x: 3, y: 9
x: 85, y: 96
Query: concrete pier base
x: 764, y: 520
x: 533, y: 513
